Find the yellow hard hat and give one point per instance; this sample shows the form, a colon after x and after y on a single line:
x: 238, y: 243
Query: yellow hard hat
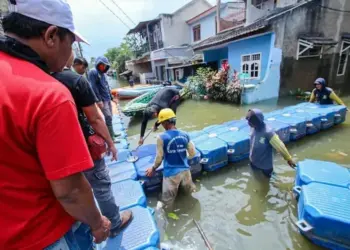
x: 165, y: 114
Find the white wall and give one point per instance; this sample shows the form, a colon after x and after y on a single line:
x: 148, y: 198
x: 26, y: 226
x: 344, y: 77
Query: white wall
x: 253, y: 13
x: 175, y: 28
x: 171, y: 52
x: 284, y: 3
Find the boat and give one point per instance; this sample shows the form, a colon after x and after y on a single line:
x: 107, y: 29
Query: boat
x: 133, y: 92
x: 139, y: 104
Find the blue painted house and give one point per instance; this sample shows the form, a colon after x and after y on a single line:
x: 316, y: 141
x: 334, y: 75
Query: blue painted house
x: 282, y: 45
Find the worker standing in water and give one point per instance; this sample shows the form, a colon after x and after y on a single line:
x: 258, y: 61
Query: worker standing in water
x: 165, y: 98
x: 324, y: 95
x: 262, y: 141
x: 172, y: 146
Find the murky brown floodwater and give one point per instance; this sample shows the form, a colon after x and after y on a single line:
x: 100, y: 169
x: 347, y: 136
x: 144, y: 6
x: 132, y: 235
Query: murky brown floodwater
x: 239, y: 209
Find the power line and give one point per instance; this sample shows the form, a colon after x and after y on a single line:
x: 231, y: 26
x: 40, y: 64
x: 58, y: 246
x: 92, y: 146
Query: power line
x: 338, y: 10
x: 123, y: 12
x: 115, y: 14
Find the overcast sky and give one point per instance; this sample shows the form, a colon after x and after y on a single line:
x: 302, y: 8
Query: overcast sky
x: 103, y: 30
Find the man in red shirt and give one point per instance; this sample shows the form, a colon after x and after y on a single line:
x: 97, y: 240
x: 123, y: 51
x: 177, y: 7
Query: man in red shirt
x: 45, y: 200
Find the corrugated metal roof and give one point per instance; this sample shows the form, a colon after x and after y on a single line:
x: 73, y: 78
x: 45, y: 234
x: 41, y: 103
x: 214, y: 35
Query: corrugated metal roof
x: 259, y: 25
x: 230, y: 35
x: 318, y: 40
x: 142, y: 25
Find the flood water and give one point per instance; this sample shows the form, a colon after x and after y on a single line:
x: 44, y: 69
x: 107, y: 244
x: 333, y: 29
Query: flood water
x: 236, y: 207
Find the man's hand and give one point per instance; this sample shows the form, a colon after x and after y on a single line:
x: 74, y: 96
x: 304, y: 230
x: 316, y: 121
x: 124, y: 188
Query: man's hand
x: 113, y: 150
x: 141, y: 141
x: 102, y: 232
x: 100, y: 105
x: 292, y: 164
x: 149, y: 172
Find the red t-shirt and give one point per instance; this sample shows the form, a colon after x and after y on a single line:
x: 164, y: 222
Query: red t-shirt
x: 40, y: 140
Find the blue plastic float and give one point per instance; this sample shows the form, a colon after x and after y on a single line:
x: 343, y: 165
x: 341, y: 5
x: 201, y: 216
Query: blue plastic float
x: 325, y: 172
x: 238, y: 144
x: 149, y: 183
x: 118, y: 127
x: 324, y: 215
x: 298, y: 125
x: 195, y: 134
x: 129, y: 193
x: 122, y: 156
x: 281, y: 129
x: 139, y: 235
x: 327, y: 115
x: 314, y: 121
x: 122, y: 144
x: 213, y: 153
x: 120, y: 171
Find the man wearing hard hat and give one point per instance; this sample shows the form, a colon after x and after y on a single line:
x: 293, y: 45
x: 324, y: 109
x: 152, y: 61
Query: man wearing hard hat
x: 172, y: 148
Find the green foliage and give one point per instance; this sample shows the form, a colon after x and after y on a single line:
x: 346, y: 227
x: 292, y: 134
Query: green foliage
x: 118, y: 56
x: 197, y: 83
x: 173, y: 216
x: 135, y: 45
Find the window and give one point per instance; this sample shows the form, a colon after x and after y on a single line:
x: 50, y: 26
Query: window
x: 343, y: 59
x: 197, y: 33
x: 177, y: 74
x: 308, y: 49
x: 251, y: 65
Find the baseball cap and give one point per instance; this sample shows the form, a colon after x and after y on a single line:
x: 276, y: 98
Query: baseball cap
x: 54, y: 12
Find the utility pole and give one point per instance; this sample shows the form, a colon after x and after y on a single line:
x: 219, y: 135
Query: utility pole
x: 218, y: 7
x: 80, y: 49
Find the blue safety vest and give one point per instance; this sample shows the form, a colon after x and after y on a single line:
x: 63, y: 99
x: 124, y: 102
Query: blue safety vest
x: 175, y: 144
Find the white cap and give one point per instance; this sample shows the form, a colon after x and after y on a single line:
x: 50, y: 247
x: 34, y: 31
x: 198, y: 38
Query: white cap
x: 54, y: 12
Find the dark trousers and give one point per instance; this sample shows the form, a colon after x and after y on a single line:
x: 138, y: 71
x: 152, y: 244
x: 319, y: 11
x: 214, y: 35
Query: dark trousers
x: 266, y: 172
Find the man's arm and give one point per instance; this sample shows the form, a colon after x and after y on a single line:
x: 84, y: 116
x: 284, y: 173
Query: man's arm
x: 75, y: 195
x: 336, y: 98
x: 98, y: 124
x: 86, y: 99
x: 279, y: 146
x: 160, y: 153
x: 144, y: 125
x: 191, y: 150
x: 312, y: 96
x: 55, y: 141
x: 94, y: 84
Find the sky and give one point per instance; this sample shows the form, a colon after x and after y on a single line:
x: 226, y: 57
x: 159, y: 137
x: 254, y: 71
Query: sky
x: 103, y: 30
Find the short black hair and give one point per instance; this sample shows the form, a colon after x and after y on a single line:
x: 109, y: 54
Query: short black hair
x: 27, y: 27
x: 81, y: 61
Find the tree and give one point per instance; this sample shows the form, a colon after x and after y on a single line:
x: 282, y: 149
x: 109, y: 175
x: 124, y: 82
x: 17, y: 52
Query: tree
x: 135, y: 45
x: 118, y: 56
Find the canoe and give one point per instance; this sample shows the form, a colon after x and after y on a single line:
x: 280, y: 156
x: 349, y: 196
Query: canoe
x: 139, y: 104
x: 130, y: 93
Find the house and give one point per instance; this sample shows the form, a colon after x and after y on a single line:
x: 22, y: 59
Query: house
x: 162, y: 39
x: 204, y: 25
x: 285, y: 45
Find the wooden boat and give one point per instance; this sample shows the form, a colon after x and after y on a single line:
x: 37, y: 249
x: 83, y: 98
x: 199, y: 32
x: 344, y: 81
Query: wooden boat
x: 139, y: 104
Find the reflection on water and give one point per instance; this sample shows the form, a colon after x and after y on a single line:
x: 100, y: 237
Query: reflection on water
x: 236, y: 207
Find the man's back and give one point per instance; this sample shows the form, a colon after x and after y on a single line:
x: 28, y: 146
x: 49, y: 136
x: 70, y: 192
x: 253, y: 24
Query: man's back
x: 175, y: 145
x: 163, y: 97
x: 82, y: 93
x: 35, y: 112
